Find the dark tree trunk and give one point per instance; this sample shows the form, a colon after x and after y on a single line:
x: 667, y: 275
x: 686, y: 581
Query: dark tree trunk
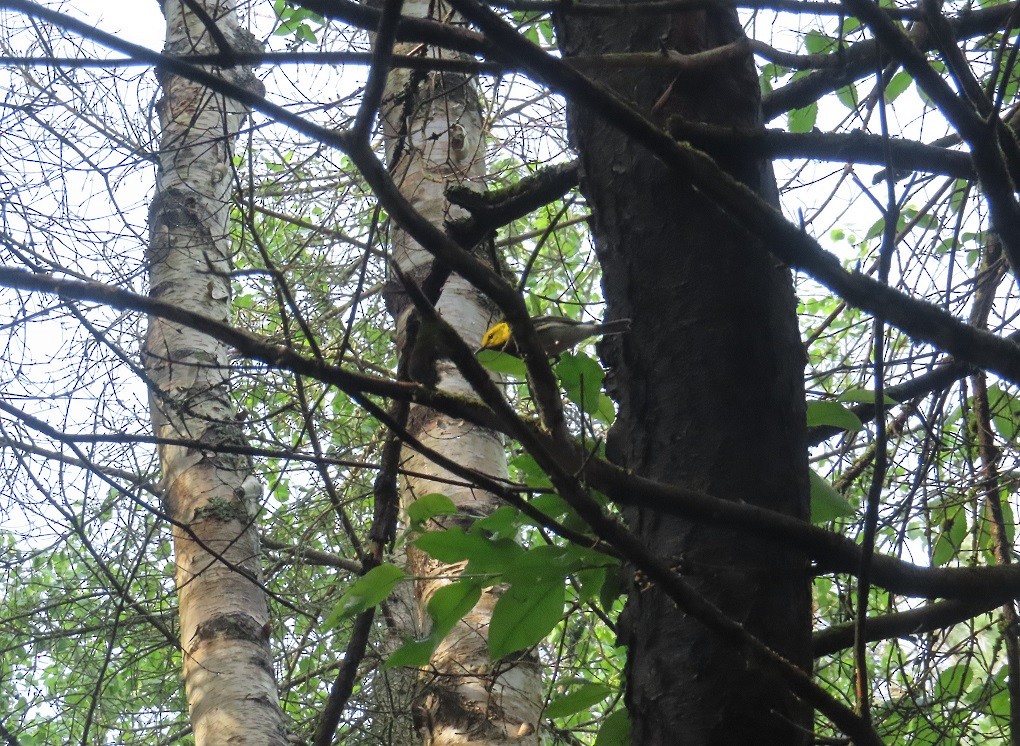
x: 710, y: 388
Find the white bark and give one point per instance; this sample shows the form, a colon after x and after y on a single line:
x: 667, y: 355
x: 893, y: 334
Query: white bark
x: 433, y: 131
x: 212, y: 497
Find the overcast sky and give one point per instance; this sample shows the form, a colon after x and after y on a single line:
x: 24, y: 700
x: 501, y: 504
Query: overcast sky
x: 138, y: 21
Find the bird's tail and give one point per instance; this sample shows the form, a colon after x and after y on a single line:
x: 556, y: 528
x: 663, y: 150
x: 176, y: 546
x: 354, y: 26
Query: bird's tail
x: 619, y: 326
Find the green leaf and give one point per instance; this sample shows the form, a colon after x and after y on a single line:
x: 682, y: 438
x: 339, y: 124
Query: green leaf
x: 579, y: 698
x: 590, y: 582
x: 581, y: 377
x: 429, y: 506
x: 950, y: 539
x: 952, y: 681
x: 864, y: 396
x: 929, y: 222
x: 614, y: 586
x: 415, y: 653
x: 542, y: 564
x: 960, y: 190
x: 486, y: 556
x: 998, y: 705
x: 1007, y: 515
x: 530, y: 472
x: 583, y: 557
x: 615, y: 730
x: 803, y: 120
x: 450, y: 603
x: 1005, y: 411
x: 606, y: 411
x: 875, y: 230
x: 524, y: 615
x: 549, y: 562
x: 502, y: 363
x: 817, y: 42
x: 285, y: 28
x: 847, y: 96
x: 552, y: 505
x: 367, y: 591
x: 833, y: 414
x: 826, y: 503
x: 545, y: 29
x: 900, y: 82
x: 502, y: 523
x: 556, y: 508
x: 447, y: 606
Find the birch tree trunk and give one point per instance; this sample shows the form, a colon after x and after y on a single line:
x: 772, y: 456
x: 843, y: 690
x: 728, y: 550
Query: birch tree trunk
x: 433, y: 132
x: 211, y: 497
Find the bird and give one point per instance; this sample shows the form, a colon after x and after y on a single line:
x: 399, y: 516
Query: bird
x: 555, y: 334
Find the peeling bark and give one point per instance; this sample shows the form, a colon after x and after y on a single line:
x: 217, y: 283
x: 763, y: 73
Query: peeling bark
x: 213, y: 498
x: 433, y: 132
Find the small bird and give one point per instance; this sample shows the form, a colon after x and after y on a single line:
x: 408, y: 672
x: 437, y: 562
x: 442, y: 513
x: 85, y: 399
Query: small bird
x: 556, y: 334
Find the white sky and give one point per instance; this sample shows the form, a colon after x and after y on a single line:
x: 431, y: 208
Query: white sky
x: 137, y: 21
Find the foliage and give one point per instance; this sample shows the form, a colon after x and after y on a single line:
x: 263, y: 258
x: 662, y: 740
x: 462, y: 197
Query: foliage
x: 87, y: 609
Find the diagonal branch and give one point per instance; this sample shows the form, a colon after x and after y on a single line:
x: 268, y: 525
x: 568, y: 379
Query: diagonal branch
x: 928, y: 618
x: 859, y: 60
x: 831, y: 552
x: 851, y: 147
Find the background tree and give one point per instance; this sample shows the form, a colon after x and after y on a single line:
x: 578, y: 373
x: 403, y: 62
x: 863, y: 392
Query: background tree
x: 911, y: 385
x: 212, y: 498
x: 434, y: 141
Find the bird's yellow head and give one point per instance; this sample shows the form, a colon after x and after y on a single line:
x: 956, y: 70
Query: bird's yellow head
x: 496, y: 337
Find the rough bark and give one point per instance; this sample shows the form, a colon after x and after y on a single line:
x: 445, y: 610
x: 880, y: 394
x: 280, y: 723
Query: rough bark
x: 211, y: 497
x: 709, y: 386
x: 433, y: 133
